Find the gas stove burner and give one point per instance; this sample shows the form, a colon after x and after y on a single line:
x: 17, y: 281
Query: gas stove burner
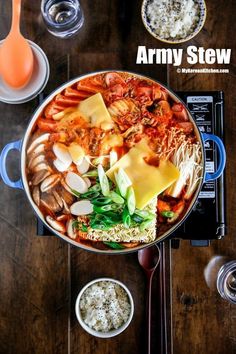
x: 207, y: 220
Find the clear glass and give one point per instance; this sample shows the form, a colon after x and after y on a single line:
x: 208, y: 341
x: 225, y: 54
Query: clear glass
x: 226, y: 281
x: 63, y: 18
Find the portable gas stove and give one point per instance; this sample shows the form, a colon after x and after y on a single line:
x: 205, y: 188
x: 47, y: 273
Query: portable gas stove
x: 207, y: 220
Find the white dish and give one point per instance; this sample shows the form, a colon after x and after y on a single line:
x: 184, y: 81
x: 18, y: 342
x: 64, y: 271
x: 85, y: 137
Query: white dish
x: 37, y: 82
x: 113, y: 332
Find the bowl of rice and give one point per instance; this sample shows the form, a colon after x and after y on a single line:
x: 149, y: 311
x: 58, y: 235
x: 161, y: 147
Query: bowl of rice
x: 174, y: 21
x: 104, y: 307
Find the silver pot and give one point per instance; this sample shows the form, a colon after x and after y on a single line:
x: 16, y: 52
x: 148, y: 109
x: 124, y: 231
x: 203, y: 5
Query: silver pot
x: 23, y: 184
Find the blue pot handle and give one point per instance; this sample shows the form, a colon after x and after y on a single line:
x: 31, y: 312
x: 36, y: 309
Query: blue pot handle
x: 222, y: 157
x: 15, y: 145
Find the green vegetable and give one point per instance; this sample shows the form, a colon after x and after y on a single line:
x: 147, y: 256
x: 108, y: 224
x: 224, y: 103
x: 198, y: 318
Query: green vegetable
x: 116, y: 198
x: 89, y: 195
x: 113, y: 158
x: 122, y: 181
x: 101, y: 200
x: 75, y: 192
x: 131, y: 202
x: 104, y: 219
x: 126, y: 218
x: 92, y: 173
x: 145, y: 224
x: 99, y: 225
x: 79, y: 226
x: 103, y: 180
x: 95, y: 188
x: 138, y: 219
x: 115, y: 217
x: 98, y: 160
x: 102, y: 208
x: 107, y: 207
x: 168, y: 214
x: 114, y: 245
x: 146, y: 215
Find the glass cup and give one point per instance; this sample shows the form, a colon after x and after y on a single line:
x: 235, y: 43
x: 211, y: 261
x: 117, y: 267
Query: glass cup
x: 220, y: 275
x: 63, y: 18
x: 226, y: 281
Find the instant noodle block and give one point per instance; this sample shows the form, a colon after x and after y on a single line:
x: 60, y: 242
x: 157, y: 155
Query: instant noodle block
x: 148, y: 181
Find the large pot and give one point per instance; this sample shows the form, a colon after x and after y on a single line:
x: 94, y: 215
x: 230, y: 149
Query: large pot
x: 22, y: 183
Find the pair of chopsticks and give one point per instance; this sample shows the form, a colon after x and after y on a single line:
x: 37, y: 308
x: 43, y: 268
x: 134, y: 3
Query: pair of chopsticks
x: 165, y: 317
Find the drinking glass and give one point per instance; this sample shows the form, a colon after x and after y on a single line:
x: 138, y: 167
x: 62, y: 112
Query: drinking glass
x: 226, y: 281
x: 63, y: 18
x: 220, y: 275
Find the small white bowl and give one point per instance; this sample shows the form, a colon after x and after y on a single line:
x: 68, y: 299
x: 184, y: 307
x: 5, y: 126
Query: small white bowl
x: 113, y: 332
x: 201, y: 22
x: 37, y: 82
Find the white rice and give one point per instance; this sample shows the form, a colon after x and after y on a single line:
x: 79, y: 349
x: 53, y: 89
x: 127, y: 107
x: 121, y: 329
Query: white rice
x: 105, y: 306
x: 174, y: 19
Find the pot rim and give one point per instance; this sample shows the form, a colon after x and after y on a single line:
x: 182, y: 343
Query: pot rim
x: 39, y: 214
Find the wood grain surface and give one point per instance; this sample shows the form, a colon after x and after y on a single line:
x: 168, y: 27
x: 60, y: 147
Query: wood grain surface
x: 40, y: 277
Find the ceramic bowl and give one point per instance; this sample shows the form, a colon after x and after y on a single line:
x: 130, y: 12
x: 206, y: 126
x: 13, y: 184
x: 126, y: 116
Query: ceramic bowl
x: 151, y: 30
x: 37, y: 82
x: 113, y: 332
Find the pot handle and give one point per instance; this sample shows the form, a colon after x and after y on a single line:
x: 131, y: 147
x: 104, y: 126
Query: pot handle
x: 222, y: 157
x: 15, y: 145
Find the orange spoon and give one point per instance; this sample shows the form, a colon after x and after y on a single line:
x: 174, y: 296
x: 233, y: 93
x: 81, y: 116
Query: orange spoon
x: 16, y: 57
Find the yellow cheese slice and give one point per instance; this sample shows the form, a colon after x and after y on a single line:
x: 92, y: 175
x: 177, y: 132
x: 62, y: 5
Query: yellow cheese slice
x: 148, y: 181
x: 96, y: 111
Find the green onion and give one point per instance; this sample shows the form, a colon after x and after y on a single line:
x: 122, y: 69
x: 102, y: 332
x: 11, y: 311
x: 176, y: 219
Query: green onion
x: 99, y: 226
x: 92, y: 173
x: 104, y: 183
x: 145, y: 224
x: 101, y: 200
x: 113, y: 158
x: 104, y: 218
x: 84, y: 228
x: 79, y: 226
x: 95, y: 188
x: 137, y: 218
x: 102, y: 209
x: 126, y: 218
x: 75, y: 224
x: 114, y: 245
x: 115, y: 217
x: 98, y: 160
x: 116, y: 198
x: 75, y: 192
x: 168, y: 214
x: 131, y: 202
x: 123, y: 181
x: 146, y: 215
x: 89, y: 195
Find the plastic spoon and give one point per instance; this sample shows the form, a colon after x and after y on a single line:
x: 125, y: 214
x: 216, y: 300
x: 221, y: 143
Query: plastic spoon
x: 16, y: 57
x: 149, y: 259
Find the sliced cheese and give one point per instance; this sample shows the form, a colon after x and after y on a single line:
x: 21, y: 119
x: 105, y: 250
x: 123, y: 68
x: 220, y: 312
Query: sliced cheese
x: 76, y: 152
x: 148, y: 181
x: 95, y: 110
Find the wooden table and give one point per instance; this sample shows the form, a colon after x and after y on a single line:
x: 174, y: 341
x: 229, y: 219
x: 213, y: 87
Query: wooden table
x: 41, y: 276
